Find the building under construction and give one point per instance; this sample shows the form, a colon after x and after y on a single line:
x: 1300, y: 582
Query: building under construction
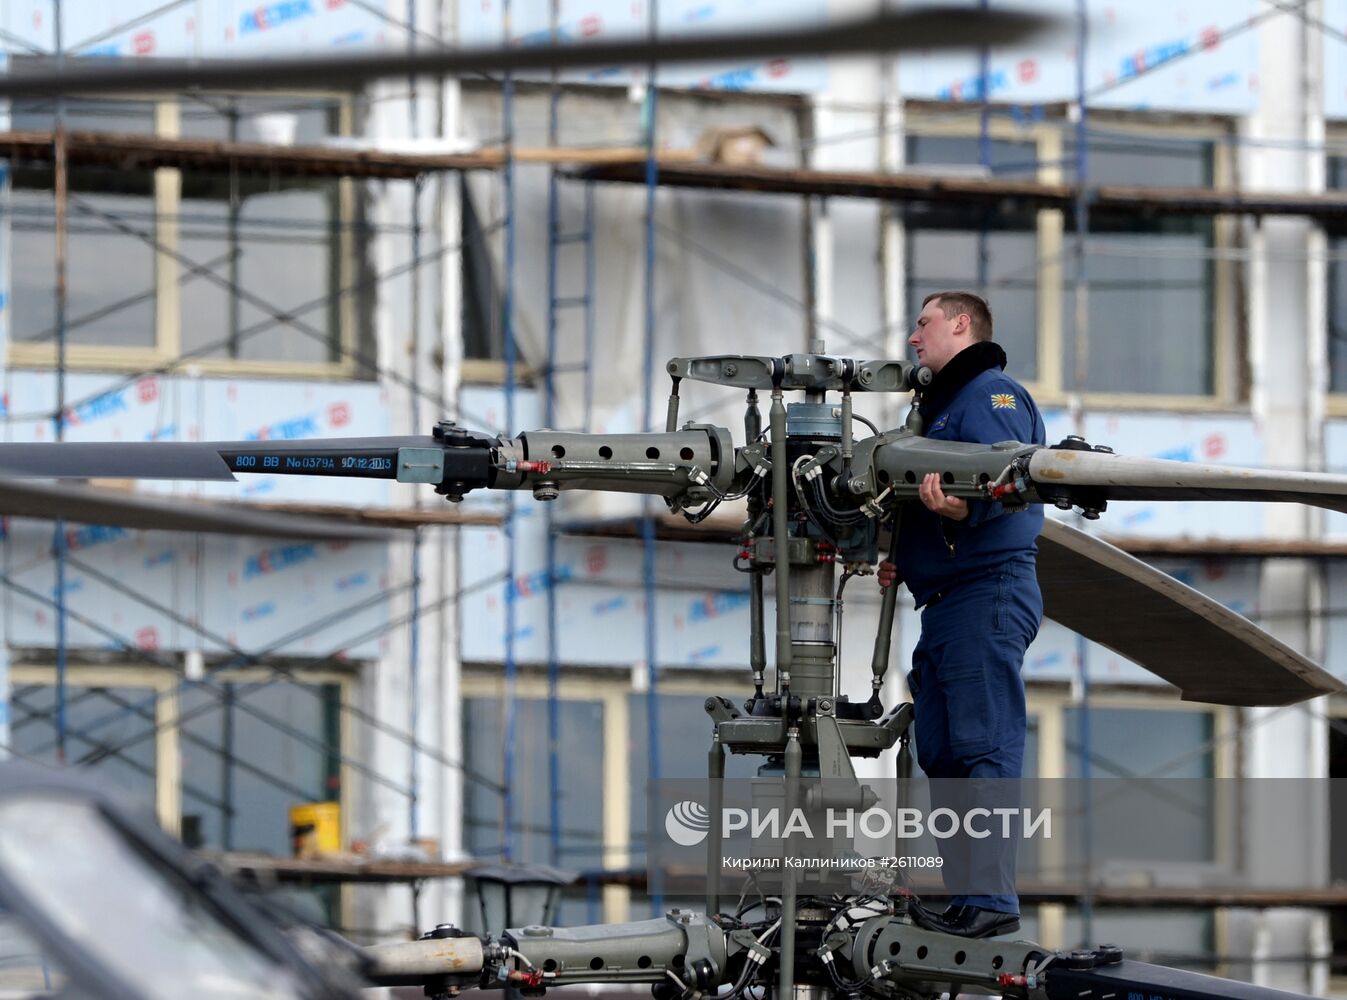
x: 1154, y: 202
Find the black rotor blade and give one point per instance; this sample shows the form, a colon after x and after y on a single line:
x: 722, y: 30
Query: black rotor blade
x: 1123, y: 477
x: 91, y: 505
x: 1201, y: 647
x: 933, y: 27
x: 366, y: 458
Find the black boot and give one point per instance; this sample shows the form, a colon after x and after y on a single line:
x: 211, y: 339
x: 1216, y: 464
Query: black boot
x: 928, y: 916
x: 975, y: 922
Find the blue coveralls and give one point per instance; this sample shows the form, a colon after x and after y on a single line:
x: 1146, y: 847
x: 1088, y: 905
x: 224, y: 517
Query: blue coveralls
x: 975, y: 581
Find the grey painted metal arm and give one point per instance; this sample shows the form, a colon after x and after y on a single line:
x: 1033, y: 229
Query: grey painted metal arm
x: 683, y: 944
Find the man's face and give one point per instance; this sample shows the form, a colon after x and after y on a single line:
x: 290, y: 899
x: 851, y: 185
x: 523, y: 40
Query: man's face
x: 938, y: 339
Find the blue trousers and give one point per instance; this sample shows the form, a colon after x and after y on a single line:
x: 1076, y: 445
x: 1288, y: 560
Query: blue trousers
x: 970, y: 719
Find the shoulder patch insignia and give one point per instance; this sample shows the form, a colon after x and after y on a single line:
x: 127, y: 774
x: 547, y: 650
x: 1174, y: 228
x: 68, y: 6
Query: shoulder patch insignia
x: 1003, y: 401
x: 939, y: 424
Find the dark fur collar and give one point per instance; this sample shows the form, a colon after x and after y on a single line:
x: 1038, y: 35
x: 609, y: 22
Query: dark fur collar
x: 961, y: 369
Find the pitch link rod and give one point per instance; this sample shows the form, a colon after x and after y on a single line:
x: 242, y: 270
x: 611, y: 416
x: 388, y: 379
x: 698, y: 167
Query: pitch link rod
x: 781, y: 539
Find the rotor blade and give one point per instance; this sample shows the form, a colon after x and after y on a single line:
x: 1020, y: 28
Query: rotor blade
x: 1201, y: 647
x: 934, y: 27
x: 1126, y: 478
x: 367, y: 458
x: 92, y: 505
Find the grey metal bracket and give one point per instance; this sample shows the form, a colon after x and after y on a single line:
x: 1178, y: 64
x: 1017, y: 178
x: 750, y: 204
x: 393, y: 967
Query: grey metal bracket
x: 768, y: 736
x: 420, y: 465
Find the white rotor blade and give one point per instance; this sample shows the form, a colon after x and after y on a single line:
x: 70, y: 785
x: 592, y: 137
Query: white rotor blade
x: 1123, y: 477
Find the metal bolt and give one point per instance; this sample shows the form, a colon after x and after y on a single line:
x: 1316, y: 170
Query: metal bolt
x: 731, y: 370
x: 546, y: 491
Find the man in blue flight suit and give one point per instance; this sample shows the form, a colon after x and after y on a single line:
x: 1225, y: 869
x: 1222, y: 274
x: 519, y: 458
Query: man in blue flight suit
x: 970, y: 566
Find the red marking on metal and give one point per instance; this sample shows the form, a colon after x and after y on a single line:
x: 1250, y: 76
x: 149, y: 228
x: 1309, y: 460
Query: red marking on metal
x: 143, y: 44
x: 339, y: 414
x: 147, y: 390
x: 596, y: 559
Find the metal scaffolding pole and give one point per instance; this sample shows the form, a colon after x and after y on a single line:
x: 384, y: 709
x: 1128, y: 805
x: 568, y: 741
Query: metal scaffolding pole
x: 511, y: 545
x: 553, y: 654
x: 647, y: 424
x: 58, y: 532
x: 414, y: 626
x: 1081, y: 292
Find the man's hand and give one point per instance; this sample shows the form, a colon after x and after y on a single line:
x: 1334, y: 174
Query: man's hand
x: 934, y: 498
x: 886, y: 574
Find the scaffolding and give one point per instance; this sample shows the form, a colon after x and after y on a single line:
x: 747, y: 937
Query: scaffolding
x: 570, y: 168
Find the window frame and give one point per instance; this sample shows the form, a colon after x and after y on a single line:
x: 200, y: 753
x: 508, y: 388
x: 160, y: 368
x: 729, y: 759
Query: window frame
x: 1049, y: 702
x: 612, y: 689
x: 166, y: 354
x: 166, y: 684
x: 1054, y: 241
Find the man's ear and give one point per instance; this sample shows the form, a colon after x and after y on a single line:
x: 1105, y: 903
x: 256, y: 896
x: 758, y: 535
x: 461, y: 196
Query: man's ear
x: 963, y: 323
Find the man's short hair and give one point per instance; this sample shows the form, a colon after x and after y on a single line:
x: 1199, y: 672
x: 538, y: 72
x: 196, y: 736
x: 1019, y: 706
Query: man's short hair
x: 975, y: 306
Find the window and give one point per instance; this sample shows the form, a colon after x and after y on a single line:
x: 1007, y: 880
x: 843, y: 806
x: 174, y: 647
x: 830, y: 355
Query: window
x: 248, y: 271
x: 110, y: 238
x: 1141, y: 762
x: 273, y: 243
x: 684, y: 739
x: 1151, y: 281
x: 109, y: 729
x: 580, y: 795
x: 483, y: 331
x: 1161, y: 311
x: 988, y: 251
x: 251, y: 750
